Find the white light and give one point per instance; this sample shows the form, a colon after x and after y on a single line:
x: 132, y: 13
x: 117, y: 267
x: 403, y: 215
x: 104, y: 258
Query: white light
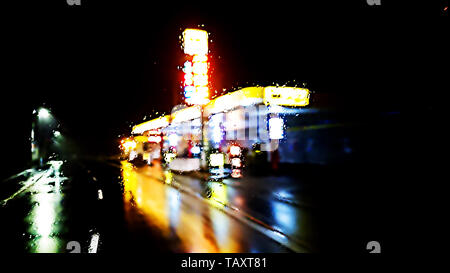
x: 100, y: 194
x: 94, y: 243
x: 236, y: 173
x: 133, y: 155
x: 276, y: 128
x: 195, y: 42
x: 56, y: 134
x: 156, y: 139
x: 216, y: 160
x: 169, y: 157
x: 236, y: 162
x: 275, y: 109
x: 195, y: 150
x: 235, y: 150
x: 173, y: 139
x: 43, y: 113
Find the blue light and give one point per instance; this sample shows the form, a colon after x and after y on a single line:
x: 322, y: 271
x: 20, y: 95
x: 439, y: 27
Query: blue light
x: 189, y: 91
x: 187, y: 67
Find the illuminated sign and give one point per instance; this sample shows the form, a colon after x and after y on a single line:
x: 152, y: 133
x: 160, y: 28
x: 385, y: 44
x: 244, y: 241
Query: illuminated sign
x: 153, y: 132
x: 244, y: 97
x: 189, y: 91
x: 187, y: 67
x: 129, y: 144
x: 196, y: 100
x: 140, y: 139
x: 200, y: 80
x: 156, y: 139
x: 195, y: 42
x: 196, y: 90
x: 200, y: 68
x: 186, y: 114
x: 151, y: 125
x: 286, y: 96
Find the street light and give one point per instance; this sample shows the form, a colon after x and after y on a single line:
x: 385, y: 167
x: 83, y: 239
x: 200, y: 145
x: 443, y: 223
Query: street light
x: 43, y: 113
x: 43, y: 134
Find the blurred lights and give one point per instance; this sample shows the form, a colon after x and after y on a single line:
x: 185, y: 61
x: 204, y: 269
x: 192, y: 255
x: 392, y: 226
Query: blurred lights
x: 286, y: 96
x: 168, y: 177
x: 200, y: 80
x: 156, y: 139
x: 200, y: 58
x: 276, y: 128
x: 195, y: 41
x: 196, y: 100
x: 133, y: 155
x: 195, y: 150
x: 46, y: 212
x: 151, y: 125
x: 43, y: 113
x: 235, y: 150
x: 219, y: 193
x: 187, y: 67
x: 129, y: 144
x: 236, y: 162
x: 186, y: 114
x: 196, y: 89
x: 168, y: 157
x: 236, y: 173
x: 216, y: 160
x: 217, y: 134
x: 173, y: 139
x: 200, y: 68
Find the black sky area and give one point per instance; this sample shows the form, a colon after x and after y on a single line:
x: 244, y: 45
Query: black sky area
x: 106, y: 64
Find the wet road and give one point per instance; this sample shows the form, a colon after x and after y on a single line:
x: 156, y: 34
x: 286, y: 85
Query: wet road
x: 46, y: 208
x: 192, y: 223
x: 109, y: 206
x: 98, y: 205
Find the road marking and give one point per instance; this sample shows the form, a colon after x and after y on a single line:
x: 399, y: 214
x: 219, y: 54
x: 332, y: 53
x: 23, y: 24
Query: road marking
x: 30, y: 182
x: 94, y: 243
x: 100, y: 195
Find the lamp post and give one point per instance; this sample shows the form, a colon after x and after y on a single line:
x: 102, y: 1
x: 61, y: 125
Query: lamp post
x: 41, y: 134
x: 34, y: 148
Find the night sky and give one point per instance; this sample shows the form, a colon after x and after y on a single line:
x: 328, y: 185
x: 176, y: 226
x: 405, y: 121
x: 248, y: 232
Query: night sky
x: 106, y: 64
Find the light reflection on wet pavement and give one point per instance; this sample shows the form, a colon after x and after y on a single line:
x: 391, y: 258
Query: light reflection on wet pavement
x: 157, y: 211
x: 258, y: 197
x: 47, y: 210
x: 196, y: 223
x: 44, y: 215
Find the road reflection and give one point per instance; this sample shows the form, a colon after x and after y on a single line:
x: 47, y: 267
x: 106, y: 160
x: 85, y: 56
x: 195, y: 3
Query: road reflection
x: 46, y: 214
x: 195, y: 224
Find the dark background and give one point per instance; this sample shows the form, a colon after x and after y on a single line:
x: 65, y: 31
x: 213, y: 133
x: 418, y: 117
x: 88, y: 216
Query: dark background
x: 105, y: 65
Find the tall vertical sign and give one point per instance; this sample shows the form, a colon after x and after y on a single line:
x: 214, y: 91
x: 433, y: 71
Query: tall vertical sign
x: 196, y: 82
